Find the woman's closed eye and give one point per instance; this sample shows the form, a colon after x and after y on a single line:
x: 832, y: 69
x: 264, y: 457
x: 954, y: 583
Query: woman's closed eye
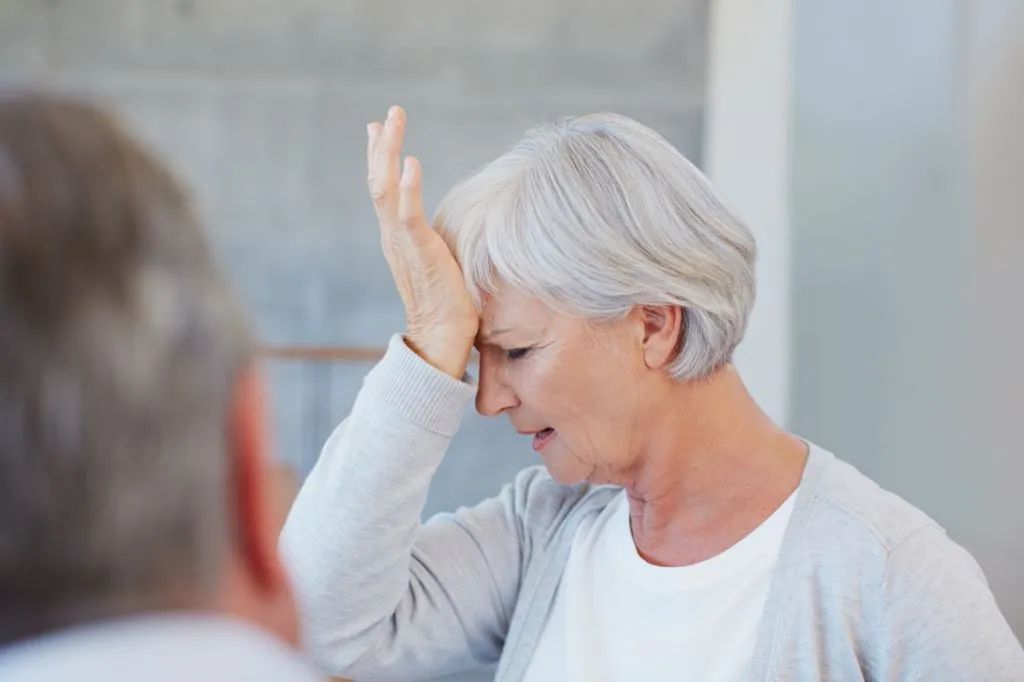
x: 517, y: 353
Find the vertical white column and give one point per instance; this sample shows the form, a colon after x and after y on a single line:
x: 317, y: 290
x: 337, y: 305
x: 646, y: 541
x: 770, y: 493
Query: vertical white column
x: 746, y: 155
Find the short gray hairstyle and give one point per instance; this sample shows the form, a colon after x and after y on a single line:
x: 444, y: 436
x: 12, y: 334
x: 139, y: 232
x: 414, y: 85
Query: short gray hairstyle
x: 120, y: 348
x: 597, y: 214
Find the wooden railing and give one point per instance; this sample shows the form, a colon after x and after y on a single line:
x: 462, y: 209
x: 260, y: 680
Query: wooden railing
x: 321, y: 353
x: 317, y: 387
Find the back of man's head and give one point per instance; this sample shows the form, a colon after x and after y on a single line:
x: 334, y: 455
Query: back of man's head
x: 121, y: 348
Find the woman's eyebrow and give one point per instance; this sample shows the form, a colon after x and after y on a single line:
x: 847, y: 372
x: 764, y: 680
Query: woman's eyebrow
x: 493, y: 333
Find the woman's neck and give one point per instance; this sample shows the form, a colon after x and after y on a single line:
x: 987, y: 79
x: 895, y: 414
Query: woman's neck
x: 715, y: 469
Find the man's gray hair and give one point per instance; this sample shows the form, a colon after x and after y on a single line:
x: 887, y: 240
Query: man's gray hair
x: 597, y: 214
x: 120, y: 347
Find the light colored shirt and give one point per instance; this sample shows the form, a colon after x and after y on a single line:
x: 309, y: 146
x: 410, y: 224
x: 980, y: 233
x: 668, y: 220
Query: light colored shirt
x: 865, y: 587
x: 617, y: 617
x: 156, y: 648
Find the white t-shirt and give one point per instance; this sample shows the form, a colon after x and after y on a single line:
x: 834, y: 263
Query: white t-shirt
x: 617, y: 617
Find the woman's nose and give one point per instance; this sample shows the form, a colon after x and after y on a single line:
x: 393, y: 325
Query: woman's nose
x: 493, y: 395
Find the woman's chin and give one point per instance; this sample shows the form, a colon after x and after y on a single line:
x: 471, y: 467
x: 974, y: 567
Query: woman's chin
x: 573, y: 474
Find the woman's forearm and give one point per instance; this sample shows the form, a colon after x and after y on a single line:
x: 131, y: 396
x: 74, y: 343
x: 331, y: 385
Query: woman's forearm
x: 348, y: 539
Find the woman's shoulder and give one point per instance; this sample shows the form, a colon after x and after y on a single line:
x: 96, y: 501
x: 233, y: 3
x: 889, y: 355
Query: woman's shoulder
x: 842, y: 496
x: 899, y: 576
x: 852, y: 534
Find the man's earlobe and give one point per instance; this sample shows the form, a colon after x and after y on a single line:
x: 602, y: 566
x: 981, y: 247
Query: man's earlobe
x: 255, y: 515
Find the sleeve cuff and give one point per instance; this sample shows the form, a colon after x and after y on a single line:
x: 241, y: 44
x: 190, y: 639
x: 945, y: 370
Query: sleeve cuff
x: 416, y: 390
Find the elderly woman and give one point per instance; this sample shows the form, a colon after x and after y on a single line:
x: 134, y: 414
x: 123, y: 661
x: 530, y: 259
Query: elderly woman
x: 674, y: 532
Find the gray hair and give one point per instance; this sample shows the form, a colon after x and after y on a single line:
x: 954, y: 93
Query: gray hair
x: 597, y: 214
x: 120, y: 347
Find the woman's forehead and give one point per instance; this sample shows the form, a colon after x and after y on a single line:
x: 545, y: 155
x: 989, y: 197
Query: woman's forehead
x: 509, y: 310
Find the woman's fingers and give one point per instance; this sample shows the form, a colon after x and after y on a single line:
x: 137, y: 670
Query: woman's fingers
x: 387, y: 158
x: 410, y: 196
x: 441, y: 320
x: 373, y: 131
x: 383, y: 153
x: 375, y: 181
x: 389, y: 148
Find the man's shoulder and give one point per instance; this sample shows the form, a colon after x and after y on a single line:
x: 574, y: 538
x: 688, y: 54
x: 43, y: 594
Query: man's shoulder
x: 160, y: 647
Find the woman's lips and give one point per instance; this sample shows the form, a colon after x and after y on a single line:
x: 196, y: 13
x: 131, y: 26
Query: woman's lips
x: 542, y: 438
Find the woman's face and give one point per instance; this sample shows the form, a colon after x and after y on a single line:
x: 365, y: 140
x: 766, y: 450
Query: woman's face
x: 579, y: 389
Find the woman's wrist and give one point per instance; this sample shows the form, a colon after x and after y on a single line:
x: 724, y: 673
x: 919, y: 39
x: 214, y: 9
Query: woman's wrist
x: 448, y: 353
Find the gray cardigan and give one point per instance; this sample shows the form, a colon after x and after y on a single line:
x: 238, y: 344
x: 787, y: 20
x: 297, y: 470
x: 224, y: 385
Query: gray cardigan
x: 866, y: 587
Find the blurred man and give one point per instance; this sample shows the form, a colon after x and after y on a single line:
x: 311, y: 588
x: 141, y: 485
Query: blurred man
x: 138, y: 513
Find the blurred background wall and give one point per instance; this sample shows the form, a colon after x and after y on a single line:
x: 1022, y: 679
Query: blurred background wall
x: 873, y: 147
x: 261, y: 106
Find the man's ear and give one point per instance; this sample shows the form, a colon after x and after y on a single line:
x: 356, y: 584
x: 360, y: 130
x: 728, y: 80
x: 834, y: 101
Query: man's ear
x: 255, y: 514
x: 663, y: 328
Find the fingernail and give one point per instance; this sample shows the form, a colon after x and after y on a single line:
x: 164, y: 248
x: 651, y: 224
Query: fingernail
x: 393, y: 111
x: 369, y: 129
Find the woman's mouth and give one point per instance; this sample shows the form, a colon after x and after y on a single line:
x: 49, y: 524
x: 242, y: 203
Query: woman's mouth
x: 542, y: 438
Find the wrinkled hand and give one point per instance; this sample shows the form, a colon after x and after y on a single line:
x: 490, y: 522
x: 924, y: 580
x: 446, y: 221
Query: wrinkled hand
x: 441, y: 320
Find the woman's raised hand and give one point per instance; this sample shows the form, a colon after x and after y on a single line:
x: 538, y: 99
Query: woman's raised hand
x: 441, y: 320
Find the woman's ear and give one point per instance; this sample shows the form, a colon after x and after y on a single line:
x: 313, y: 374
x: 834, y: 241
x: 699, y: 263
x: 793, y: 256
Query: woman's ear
x: 663, y: 329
